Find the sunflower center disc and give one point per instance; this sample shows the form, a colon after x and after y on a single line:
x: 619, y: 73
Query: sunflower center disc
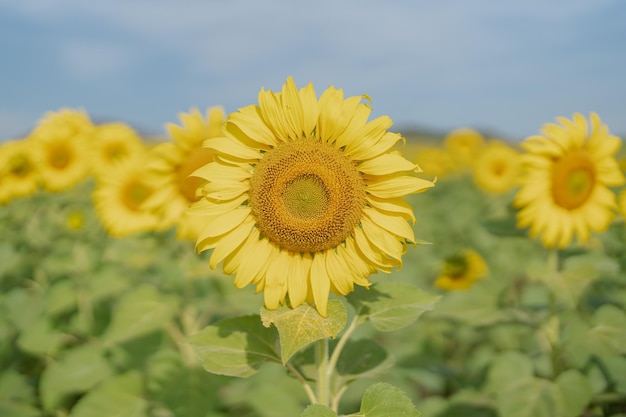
x: 134, y: 194
x: 306, y: 196
x: 573, y: 179
x: 60, y: 157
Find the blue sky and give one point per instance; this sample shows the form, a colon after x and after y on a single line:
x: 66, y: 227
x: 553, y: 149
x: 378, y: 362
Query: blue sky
x: 504, y: 66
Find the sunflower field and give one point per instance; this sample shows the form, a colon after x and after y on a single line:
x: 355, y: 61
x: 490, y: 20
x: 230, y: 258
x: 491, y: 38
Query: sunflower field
x: 294, y: 258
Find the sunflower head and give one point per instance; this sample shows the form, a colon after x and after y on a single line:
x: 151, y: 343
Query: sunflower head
x: 461, y: 270
x: 304, y: 196
x: 120, y: 199
x: 112, y: 144
x: 496, y: 168
x: 61, y: 139
x: 174, y: 161
x: 463, y: 145
x: 18, y: 162
x: 434, y: 161
x: 567, y: 172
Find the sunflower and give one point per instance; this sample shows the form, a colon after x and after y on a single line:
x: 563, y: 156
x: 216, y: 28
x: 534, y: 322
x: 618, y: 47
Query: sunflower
x: 463, y: 145
x: 304, y: 197
x: 62, y: 139
x: 113, y: 143
x: 496, y: 168
x: 119, y: 198
x: 19, y: 176
x: 434, y: 161
x: 174, y: 161
x: 565, y: 185
x: 462, y: 270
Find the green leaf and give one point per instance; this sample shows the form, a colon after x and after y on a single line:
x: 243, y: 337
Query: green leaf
x: 236, y: 346
x: 119, y: 396
x: 40, y: 338
x: 61, y: 297
x: 609, y: 331
x: 504, y: 227
x: 318, y: 410
x: 23, y: 307
x: 183, y: 390
x: 391, y: 305
x: 384, y: 400
x: 616, y: 367
x: 472, y: 307
x: 506, y: 369
x: 13, y: 409
x: 301, y: 326
x: 15, y: 388
x: 79, y: 370
x: 141, y: 311
x: 363, y: 359
x: 575, y: 391
x: 530, y: 397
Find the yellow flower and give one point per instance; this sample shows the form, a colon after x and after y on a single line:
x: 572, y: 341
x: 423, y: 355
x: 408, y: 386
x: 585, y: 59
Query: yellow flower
x: 111, y: 144
x: 19, y: 176
x: 434, y: 161
x: 62, y: 139
x: 305, y: 196
x: 567, y: 172
x: 75, y: 220
x: 119, y: 198
x: 461, y: 271
x: 463, y: 144
x: 496, y: 168
x: 174, y: 161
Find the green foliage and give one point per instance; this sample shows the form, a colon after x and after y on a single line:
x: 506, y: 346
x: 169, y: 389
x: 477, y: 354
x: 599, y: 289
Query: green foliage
x: 318, y: 410
x: 391, y: 306
x: 301, y: 326
x: 236, y: 346
x: 383, y: 400
x: 96, y: 326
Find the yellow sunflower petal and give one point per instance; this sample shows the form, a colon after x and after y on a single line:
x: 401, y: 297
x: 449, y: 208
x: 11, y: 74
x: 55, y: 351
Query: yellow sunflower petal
x: 229, y: 243
x: 339, y: 273
x: 232, y: 147
x: 275, y: 287
x: 320, y: 283
x: 393, y: 224
x: 248, y: 122
x: 398, y: 186
x: 298, y: 277
x: 386, y: 164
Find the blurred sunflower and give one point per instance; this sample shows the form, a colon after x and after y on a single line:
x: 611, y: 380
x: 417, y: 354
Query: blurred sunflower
x: 496, y: 168
x: 565, y: 185
x: 119, y: 198
x: 172, y: 163
x: 75, y: 220
x: 19, y: 176
x: 434, y: 161
x: 62, y: 139
x: 111, y: 144
x: 463, y: 145
x: 462, y: 270
x: 304, y: 197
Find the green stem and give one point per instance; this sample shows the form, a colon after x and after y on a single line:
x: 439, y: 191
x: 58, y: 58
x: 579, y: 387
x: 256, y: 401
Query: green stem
x: 342, y: 343
x: 323, y: 380
x: 553, y: 265
x: 305, y: 385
